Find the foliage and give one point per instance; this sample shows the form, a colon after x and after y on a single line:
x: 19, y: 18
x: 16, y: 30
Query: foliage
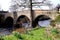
x: 1, y: 38
x: 17, y: 35
x: 58, y: 7
x: 55, y: 31
x: 52, y: 23
x: 10, y: 37
x: 34, y: 34
x: 23, y: 4
x: 57, y: 19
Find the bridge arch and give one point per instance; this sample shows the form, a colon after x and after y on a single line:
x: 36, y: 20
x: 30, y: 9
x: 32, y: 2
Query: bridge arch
x: 8, y: 22
x: 40, y: 18
x: 1, y: 20
x: 22, y: 21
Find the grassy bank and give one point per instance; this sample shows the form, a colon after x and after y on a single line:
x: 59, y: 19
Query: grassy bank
x: 34, y: 34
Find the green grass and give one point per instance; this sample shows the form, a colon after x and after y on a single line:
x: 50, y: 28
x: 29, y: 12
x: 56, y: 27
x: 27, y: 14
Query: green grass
x: 34, y: 34
x: 10, y: 37
x: 56, y: 33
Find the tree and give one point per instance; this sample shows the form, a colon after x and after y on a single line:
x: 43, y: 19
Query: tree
x: 37, y: 3
x: 19, y: 4
x: 43, y: 2
x: 23, y: 4
x: 58, y: 7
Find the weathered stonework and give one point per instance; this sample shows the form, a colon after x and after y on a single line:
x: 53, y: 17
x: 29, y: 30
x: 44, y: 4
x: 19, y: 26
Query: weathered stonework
x: 50, y: 13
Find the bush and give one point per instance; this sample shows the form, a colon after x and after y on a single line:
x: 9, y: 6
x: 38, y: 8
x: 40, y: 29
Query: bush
x: 55, y: 31
x: 52, y: 23
x: 57, y: 19
x: 17, y: 35
x: 1, y: 38
x: 34, y: 34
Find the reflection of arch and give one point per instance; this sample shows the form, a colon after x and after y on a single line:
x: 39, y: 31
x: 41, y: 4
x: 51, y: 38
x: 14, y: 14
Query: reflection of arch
x: 22, y: 19
x: 40, y: 18
x: 9, y: 22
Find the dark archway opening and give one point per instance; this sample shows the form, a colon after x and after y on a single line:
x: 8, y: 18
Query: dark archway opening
x: 1, y: 20
x: 8, y: 23
x: 7, y: 26
x: 22, y: 21
x: 40, y: 18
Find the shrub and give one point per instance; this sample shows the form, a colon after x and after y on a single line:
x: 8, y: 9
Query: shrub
x: 1, y: 38
x: 55, y: 31
x: 52, y: 23
x: 57, y: 19
x: 17, y: 35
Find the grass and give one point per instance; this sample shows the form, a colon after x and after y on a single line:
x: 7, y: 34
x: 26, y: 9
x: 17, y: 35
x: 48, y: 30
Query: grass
x: 34, y: 34
x: 10, y: 37
x: 56, y: 33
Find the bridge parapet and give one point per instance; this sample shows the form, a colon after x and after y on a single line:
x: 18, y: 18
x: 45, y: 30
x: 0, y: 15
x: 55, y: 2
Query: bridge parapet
x: 9, y: 15
x: 50, y: 13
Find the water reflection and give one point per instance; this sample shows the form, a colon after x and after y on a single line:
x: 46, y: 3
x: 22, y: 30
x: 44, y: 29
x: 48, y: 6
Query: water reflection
x: 44, y: 23
x: 4, y: 32
x: 26, y: 25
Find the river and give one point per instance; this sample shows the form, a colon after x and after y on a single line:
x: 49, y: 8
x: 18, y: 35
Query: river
x: 44, y: 23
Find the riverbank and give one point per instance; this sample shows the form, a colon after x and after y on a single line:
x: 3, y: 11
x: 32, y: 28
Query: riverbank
x: 41, y: 33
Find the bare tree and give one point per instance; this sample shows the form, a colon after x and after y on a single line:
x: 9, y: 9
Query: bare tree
x: 41, y: 3
x: 37, y: 3
x: 58, y: 7
x: 23, y: 4
x: 19, y: 4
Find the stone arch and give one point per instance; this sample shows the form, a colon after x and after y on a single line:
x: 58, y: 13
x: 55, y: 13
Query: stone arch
x: 8, y: 22
x: 40, y: 18
x: 21, y: 20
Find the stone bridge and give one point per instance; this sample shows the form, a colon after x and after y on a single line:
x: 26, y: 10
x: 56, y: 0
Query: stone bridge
x: 16, y: 17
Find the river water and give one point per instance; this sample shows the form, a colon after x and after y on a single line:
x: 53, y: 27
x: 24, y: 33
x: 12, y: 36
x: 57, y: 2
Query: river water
x: 26, y: 25
x: 4, y: 32
x: 44, y: 23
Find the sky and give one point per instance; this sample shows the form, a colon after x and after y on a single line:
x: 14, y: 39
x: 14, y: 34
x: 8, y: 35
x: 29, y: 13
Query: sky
x: 4, y: 4
x: 55, y: 2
